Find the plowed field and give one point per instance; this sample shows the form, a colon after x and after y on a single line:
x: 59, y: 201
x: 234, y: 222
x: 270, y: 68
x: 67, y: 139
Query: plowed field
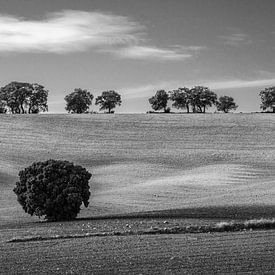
x: 187, y: 169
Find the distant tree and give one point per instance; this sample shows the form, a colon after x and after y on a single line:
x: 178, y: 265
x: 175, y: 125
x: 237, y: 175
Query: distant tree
x: 78, y: 101
x: 38, y: 99
x: 108, y: 100
x: 159, y: 101
x: 181, y: 98
x: 22, y: 98
x: 268, y: 98
x: 201, y: 98
x: 53, y: 189
x: 226, y: 103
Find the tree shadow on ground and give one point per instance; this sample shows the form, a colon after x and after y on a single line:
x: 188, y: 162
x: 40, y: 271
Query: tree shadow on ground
x: 210, y: 212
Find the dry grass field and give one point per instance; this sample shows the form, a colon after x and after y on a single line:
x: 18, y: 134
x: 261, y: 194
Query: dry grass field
x: 206, y: 168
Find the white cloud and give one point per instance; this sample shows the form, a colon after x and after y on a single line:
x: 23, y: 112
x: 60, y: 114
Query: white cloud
x: 155, y: 53
x: 66, y: 31
x: 71, y: 31
x: 235, y: 39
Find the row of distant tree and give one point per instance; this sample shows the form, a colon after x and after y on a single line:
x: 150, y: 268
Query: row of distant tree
x: 26, y: 98
x: 197, y: 100
x: 22, y: 98
x: 80, y: 101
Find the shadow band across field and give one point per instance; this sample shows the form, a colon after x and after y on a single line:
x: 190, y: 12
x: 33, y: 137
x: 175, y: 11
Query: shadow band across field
x: 232, y: 219
x: 242, y: 212
x: 262, y: 224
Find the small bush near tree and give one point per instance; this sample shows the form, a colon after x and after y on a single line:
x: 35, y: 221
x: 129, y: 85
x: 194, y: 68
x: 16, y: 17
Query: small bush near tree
x: 53, y: 189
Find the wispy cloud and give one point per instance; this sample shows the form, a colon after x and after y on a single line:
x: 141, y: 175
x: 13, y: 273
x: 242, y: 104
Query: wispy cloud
x: 264, y: 74
x: 73, y: 31
x: 147, y: 89
x: 155, y: 53
x: 150, y: 89
x: 234, y: 84
x: 235, y: 39
x: 66, y: 31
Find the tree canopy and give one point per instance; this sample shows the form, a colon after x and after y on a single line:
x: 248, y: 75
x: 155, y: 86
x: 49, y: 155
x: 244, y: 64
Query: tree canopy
x: 54, y: 189
x: 78, y: 101
x: 181, y: 98
x: 226, y: 103
x: 268, y: 98
x: 22, y: 98
x: 201, y: 98
x: 159, y: 100
x: 108, y: 100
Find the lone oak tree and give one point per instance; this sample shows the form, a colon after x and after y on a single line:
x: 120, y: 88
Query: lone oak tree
x: 108, y: 100
x: 268, y: 98
x: 54, y: 189
x: 78, y: 101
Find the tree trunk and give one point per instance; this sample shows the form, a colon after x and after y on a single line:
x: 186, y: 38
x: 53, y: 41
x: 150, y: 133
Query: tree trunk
x: 22, y: 109
x: 187, y: 108
x: 204, y: 109
x: 273, y: 109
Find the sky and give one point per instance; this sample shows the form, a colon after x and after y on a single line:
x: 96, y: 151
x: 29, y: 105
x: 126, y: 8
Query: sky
x: 137, y: 47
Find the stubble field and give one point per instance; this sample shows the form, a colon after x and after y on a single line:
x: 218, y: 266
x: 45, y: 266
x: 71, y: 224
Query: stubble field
x: 205, y: 168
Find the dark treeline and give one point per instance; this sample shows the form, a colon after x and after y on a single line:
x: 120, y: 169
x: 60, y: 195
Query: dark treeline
x: 196, y: 100
x: 79, y: 101
x: 199, y: 98
x: 26, y: 98
x: 23, y: 98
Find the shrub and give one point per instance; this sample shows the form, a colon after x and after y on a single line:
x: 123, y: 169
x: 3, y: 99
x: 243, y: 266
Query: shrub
x: 167, y: 110
x: 54, y: 189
